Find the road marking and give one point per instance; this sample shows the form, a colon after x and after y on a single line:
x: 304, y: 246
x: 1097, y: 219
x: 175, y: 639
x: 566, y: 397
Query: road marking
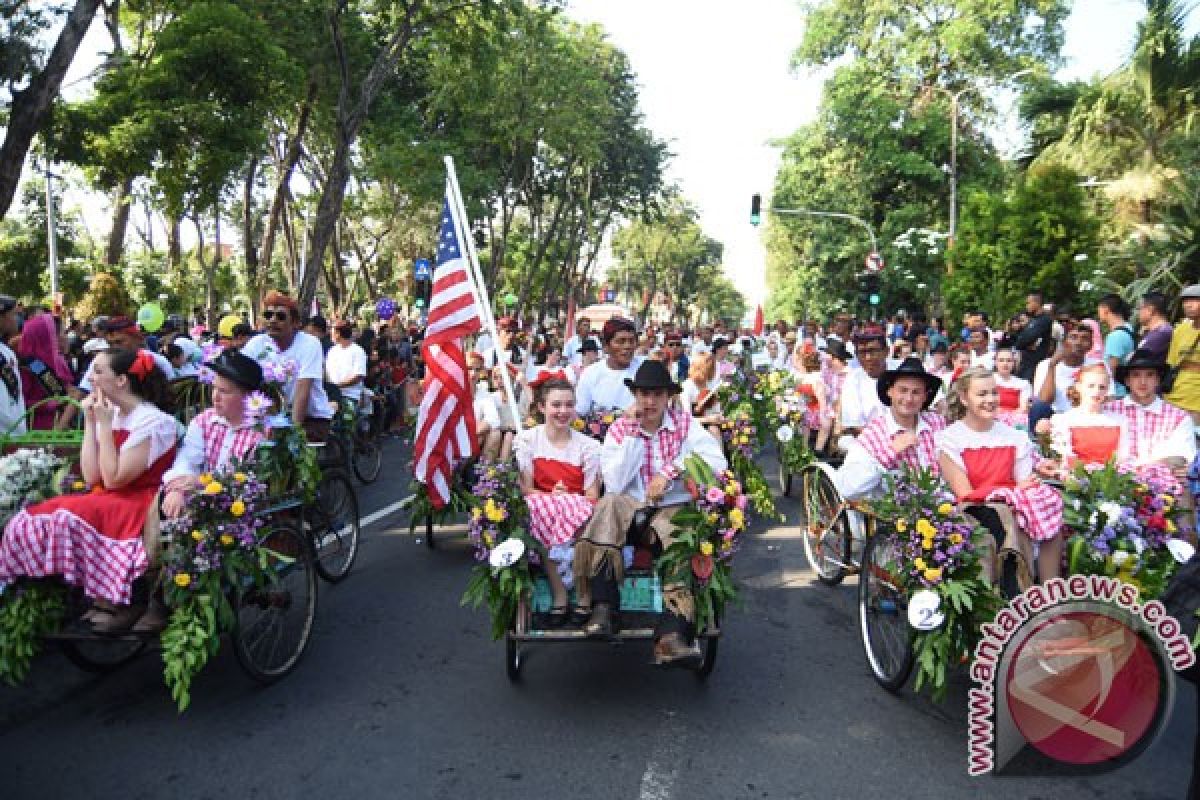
x: 658, y: 781
x: 381, y: 513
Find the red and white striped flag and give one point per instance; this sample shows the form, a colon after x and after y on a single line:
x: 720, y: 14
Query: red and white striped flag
x: 446, y: 419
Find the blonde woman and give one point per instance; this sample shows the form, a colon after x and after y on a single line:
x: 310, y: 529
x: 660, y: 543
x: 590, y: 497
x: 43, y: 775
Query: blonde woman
x: 1086, y: 434
x: 699, y: 393
x: 983, y: 460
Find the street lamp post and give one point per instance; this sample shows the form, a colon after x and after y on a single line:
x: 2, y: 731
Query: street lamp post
x: 51, y: 232
x: 834, y: 215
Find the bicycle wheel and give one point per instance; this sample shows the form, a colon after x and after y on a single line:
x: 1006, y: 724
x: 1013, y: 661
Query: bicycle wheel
x: 826, y: 534
x: 367, y: 456
x: 275, y: 621
x: 887, y: 638
x: 785, y: 479
x: 333, y: 526
x: 102, y: 655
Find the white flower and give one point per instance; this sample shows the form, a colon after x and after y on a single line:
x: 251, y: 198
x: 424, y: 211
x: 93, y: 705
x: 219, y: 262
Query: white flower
x: 1120, y: 557
x: 1111, y: 510
x: 784, y: 433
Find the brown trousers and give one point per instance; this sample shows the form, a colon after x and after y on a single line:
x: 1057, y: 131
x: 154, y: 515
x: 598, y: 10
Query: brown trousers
x: 598, y: 549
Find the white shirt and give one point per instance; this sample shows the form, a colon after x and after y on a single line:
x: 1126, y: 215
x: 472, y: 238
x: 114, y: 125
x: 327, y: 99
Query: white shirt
x: 1179, y: 443
x: 1064, y: 377
x: 85, y: 383
x: 12, y: 406
x: 861, y: 474
x: 306, y: 351
x: 485, y: 407
x: 621, y: 464
x: 957, y: 438
x: 859, y: 398
x: 1020, y: 384
x: 573, y: 351
x: 601, y: 387
x: 1061, y: 425
x: 345, y: 362
x: 987, y: 360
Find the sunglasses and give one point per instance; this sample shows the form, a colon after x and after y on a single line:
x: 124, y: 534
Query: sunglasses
x: 281, y: 315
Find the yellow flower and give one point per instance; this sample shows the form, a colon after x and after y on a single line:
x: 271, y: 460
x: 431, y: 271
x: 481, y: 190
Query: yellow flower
x: 183, y: 580
x: 240, y: 477
x: 489, y: 540
x: 608, y: 419
x: 737, y: 519
x: 712, y: 516
x: 706, y: 548
x: 79, y: 486
x: 927, y: 543
x: 901, y: 526
x: 577, y: 424
x: 491, y: 473
x: 237, y: 508
x: 492, y: 511
x: 226, y: 539
x: 956, y: 538
x: 933, y: 574
x: 476, y: 513
x: 925, y: 528
x: 205, y: 479
x: 945, y: 509
x: 197, y: 536
x: 212, y: 487
x: 919, y: 563
x: 1170, y: 526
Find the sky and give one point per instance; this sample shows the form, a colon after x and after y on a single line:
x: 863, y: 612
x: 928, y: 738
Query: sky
x: 716, y: 83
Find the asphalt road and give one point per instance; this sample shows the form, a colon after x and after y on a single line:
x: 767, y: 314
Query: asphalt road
x: 403, y: 695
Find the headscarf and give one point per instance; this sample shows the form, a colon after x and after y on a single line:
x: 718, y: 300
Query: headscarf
x: 1097, y: 351
x: 616, y: 325
x: 39, y: 339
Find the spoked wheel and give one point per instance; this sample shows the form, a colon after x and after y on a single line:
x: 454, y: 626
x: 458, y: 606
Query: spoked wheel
x: 826, y: 532
x: 785, y: 479
x: 429, y: 532
x: 333, y: 525
x: 887, y: 638
x: 512, y: 658
x: 367, y: 458
x: 275, y: 621
x: 708, y: 647
x: 103, y: 654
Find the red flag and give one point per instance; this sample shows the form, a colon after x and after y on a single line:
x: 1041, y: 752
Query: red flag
x: 758, y: 321
x: 445, y: 430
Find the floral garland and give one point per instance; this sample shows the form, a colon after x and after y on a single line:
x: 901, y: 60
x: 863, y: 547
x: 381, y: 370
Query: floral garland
x: 707, y: 536
x: 498, y: 527
x: 596, y: 423
x: 937, y: 549
x: 213, y: 549
x: 740, y: 437
x: 792, y: 433
x: 1121, y: 525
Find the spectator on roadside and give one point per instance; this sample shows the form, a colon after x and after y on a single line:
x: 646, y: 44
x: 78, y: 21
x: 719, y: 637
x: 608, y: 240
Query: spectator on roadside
x: 1184, y: 355
x: 1036, y: 341
x: 1120, y: 342
x: 1057, y: 373
x: 1155, y: 322
x: 346, y: 363
x: 978, y: 343
x: 12, y: 400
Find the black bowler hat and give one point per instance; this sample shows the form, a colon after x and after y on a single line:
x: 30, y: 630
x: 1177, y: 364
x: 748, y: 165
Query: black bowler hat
x: 836, y: 348
x: 589, y: 346
x: 908, y: 368
x: 239, y: 368
x: 1141, y: 359
x: 652, y: 374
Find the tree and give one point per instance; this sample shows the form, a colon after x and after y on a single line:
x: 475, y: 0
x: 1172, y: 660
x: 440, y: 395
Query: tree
x: 106, y: 296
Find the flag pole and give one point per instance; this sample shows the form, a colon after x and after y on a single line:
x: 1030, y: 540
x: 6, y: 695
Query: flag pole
x: 479, y: 288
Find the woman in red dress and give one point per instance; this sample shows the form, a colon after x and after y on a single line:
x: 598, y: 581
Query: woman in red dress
x: 94, y: 540
x: 1086, y: 434
x: 985, y: 461
x: 560, y: 476
x: 1014, y: 394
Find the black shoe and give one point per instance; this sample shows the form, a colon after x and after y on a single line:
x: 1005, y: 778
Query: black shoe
x: 600, y: 623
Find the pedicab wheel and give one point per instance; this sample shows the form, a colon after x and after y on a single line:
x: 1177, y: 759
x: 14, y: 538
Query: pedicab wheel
x: 275, y: 621
x: 512, y: 658
x: 708, y: 649
x: 887, y: 638
x: 785, y: 479
x: 333, y: 524
x: 429, y: 532
x: 826, y: 537
x: 103, y: 654
x: 367, y: 458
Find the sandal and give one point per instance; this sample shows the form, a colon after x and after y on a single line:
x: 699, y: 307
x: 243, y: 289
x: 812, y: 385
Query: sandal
x: 557, y: 616
x: 580, y: 614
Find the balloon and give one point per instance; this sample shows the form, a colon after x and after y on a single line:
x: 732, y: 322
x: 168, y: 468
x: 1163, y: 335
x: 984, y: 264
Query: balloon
x: 225, y: 326
x: 510, y: 299
x: 151, y: 317
x: 385, y: 307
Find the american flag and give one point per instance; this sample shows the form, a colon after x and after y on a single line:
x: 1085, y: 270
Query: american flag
x: 446, y: 419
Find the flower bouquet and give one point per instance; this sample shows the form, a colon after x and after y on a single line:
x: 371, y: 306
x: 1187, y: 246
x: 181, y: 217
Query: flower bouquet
x: 596, y: 422
x: 212, y: 549
x: 498, y: 527
x: 1121, y: 525
x: 937, y: 552
x: 707, y: 537
x: 741, y: 445
x: 792, y: 433
x: 28, y: 476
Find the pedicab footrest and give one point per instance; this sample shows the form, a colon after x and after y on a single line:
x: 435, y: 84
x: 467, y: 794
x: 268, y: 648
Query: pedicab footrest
x: 641, y: 591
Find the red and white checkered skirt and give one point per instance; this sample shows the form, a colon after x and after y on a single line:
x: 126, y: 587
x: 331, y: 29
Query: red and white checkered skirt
x: 1162, y: 475
x: 1038, y: 509
x: 61, y: 543
x: 554, y: 519
x: 1013, y: 418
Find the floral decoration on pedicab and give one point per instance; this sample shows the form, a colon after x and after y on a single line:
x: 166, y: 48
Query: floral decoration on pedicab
x: 791, y: 435
x: 938, y: 550
x: 707, y: 536
x: 28, y: 476
x: 498, y: 527
x: 740, y: 437
x: 596, y: 422
x: 1123, y: 525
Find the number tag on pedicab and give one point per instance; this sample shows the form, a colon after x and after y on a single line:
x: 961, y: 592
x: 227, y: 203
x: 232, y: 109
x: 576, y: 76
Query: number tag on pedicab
x: 924, y: 610
x: 506, y: 553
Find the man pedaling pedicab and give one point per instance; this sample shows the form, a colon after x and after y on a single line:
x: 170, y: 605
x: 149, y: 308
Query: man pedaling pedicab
x: 642, y: 457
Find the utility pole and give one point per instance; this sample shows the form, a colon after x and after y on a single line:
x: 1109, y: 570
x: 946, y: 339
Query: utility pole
x: 51, y: 232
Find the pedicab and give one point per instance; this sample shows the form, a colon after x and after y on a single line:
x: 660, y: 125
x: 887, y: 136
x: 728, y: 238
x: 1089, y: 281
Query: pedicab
x: 510, y: 580
x: 261, y: 591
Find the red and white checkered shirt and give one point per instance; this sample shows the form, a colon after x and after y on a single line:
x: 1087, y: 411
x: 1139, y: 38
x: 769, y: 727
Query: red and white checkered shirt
x: 662, y: 447
x: 1157, y: 431
x: 876, y: 439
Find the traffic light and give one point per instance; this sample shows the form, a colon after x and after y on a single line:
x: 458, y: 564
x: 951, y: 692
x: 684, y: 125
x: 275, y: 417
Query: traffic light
x: 756, y: 209
x: 871, y: 288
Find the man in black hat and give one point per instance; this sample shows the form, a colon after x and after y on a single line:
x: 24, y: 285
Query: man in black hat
x: 12, y: 401
x: 1162, y: 436
x: 903, y: 433
x: 642, y: 459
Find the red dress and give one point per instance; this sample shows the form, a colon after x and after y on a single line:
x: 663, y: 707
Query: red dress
x: 555, y: 519
x: 94, y: 540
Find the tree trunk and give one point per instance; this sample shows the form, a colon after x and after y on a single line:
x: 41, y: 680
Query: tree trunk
x: 174, y: 247
x: 248, y: 247
x: 285, y: 168
x: 122, y: 205
x: 30, y: 105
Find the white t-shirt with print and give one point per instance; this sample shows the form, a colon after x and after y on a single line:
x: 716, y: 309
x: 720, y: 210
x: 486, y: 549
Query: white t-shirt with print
x: 306, y: 351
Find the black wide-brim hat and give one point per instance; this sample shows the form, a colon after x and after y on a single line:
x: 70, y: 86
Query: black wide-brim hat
x: 836, y: 348
x: 652, y: 374
x: 239, y: 368
x: 908, y: 368
x: 1141, y: 359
